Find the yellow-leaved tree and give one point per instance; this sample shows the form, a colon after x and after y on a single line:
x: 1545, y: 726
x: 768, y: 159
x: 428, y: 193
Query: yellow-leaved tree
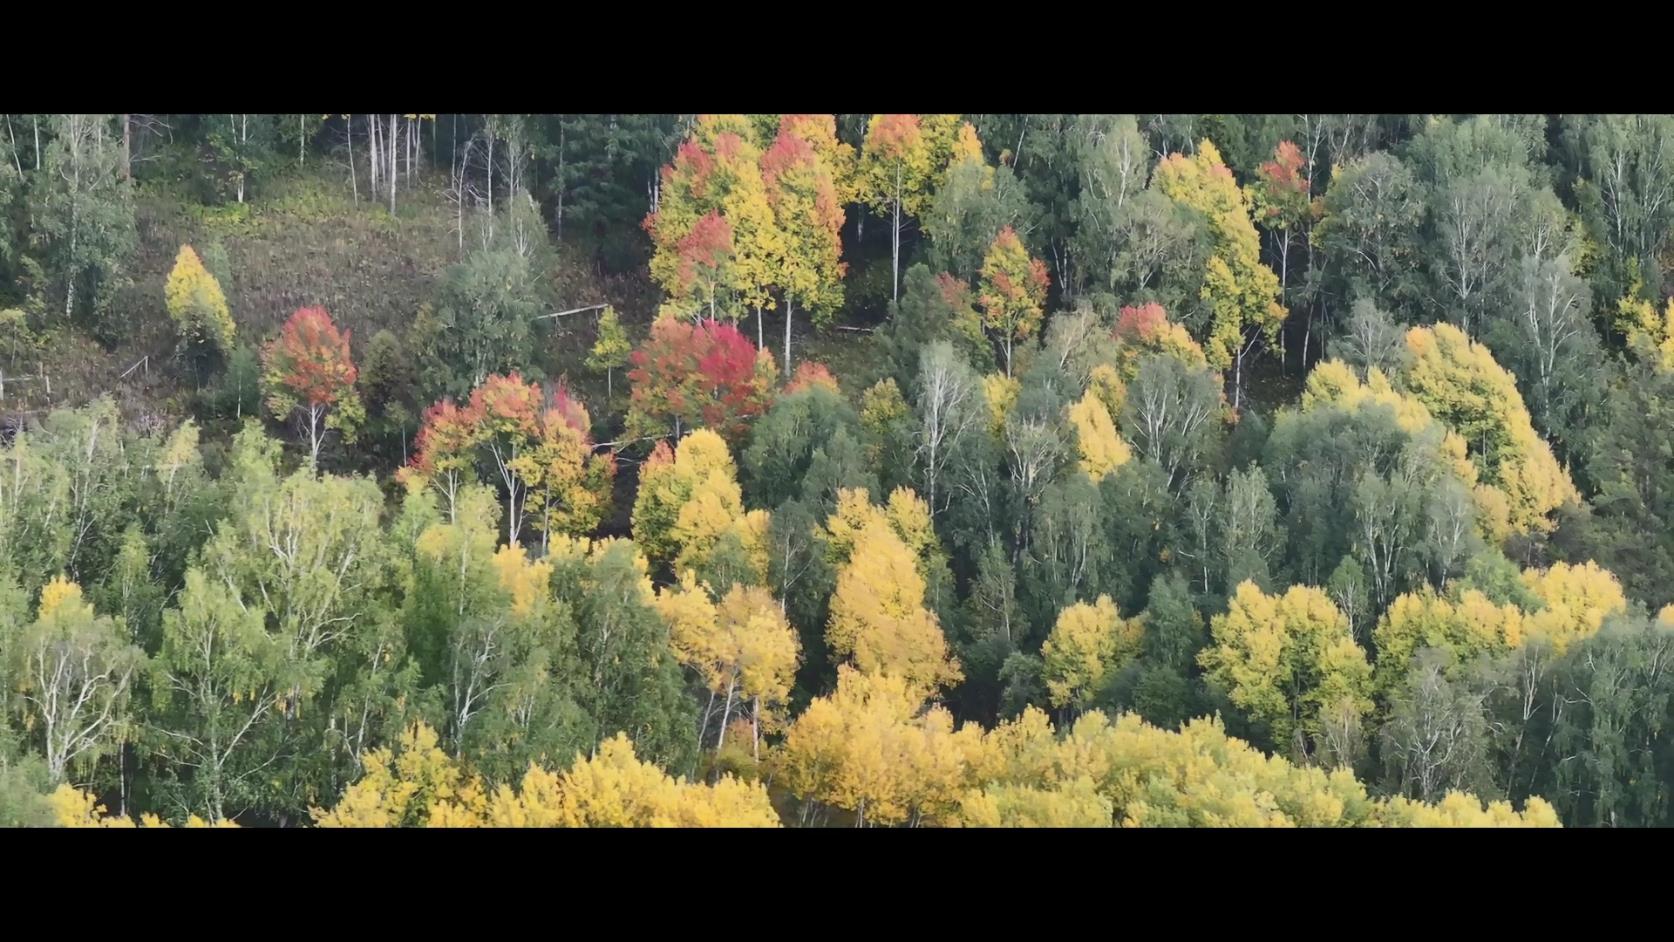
x: 878, y: 619
x: 743, y: 647
x: 1241, y: 293
x: 1290, y: 662
x: 871, y: 748
x: 419, y: 785
x: 1102, y: 449
x: 1087, y: 644
x: 1459, y: 383
x: 667, y: 481
x: 197, y: 305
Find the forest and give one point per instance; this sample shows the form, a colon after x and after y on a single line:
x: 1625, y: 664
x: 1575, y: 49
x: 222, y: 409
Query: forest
x: 815, y: 470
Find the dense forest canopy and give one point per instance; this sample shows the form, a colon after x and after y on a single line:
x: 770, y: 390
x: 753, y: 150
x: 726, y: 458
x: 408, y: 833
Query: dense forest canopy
x: 799, y: 470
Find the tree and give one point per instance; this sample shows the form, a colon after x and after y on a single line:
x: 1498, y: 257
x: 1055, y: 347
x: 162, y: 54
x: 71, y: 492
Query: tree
x: 1436, y: 739
x: 968, y: 211
x: 933, y: 308
x: 610, y: 349
x: 1461, y: 385
x: 713, y: 230
x: 1550, y: 343
x: 1625, y: 190
x: 73, y: 672
x: 485, y: 309
x: 1290, y: 662
x: 83, y: 212
x: 949, y: 407
x: 566, y: 482
x: 1102, y: 448
x: 309, y: 373
x: 1170, y: 415
x: 1112, y: 165
x: 1281, y: 198
x: 1241, y: 293
x: 705, y: 374
x: 506, y: 411
x: 627, y: 680
x: 1012, y: 291
x: 870, y: 747
x: 878, y: 616
x: 1371, y: 339
x: 803, y: 194
x: 1369, y: 232
x: 667, y: 481
x: 1088, y: 644
x: 216, y: 678
x: 894, y: 173
x: 743, y: 648
x: 196, y: 304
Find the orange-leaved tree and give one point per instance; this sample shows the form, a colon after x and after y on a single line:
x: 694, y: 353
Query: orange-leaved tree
x: 310, y: 375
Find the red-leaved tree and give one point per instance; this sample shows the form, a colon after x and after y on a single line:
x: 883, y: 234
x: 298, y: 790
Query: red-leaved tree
x: 309, y: 375
x: 703, y: 374
x: 539, y: 444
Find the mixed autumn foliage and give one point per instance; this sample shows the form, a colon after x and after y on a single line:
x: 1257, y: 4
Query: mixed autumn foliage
x: 1162, y: 470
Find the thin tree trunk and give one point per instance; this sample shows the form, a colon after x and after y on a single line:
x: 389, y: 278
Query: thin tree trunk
x: 392, y: 164
x: 127, y: 149
x: 352, y: 182
x: 789, y: 316
x: 726, y: 714
x: 895, y: 243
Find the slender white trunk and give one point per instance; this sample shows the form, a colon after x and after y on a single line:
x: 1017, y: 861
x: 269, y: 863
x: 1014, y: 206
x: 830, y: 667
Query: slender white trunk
x: 895, y: 242
x: 789, y: 316
x: 353, y: 183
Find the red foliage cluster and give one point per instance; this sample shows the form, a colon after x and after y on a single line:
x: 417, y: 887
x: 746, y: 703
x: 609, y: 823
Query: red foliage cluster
x: 810, y: 374
x: 561, y: 406
x: 788, y: 151
x: 311, y: 357
x: 704, y: 249
x: 727, y: 146
x: 502, y: 405
x: 1140, y: 324
x: 954, y: 291
x: 700, y: 374
x: 1284, y: 171
x: 895, y: 134
x: 446, y: 433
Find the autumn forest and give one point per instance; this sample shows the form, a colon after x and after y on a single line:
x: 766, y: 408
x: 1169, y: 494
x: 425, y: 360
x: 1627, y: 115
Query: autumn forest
x: 812, y: 470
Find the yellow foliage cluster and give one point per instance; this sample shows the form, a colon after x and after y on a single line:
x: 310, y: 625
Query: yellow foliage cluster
x: 1086, y: 645
x: 870, y: 748
x: 1334, y: 383
x: 422, y: 787
x: 527, y: 581
x: 74, y: 808
x: 689, y: 500
x: 743, y: 647
x: 1000, y: 393
x: 1288, y: 660
x: 1465, y: 627
x: 878, y: 618
x: 873, y: 750
x: 1459, y: 382
x: 195, y: 302
x: 1241, y: 292
x: 1102, y: 449
x: 905, y: 514
x: 1650, y: 333
x: 1575, y: 600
